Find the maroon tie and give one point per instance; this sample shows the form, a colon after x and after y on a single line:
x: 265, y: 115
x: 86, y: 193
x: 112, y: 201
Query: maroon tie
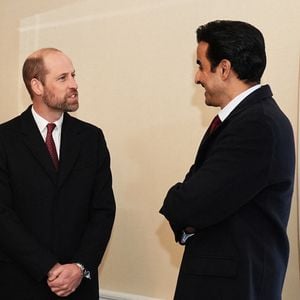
x: 216, y: 122
x: 51, y: 145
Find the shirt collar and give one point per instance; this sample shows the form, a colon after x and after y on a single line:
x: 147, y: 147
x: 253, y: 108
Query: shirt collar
x: 42, y: 123
x: 224, y: 113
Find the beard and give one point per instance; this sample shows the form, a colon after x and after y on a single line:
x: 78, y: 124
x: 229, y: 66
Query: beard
x: 67, y: 103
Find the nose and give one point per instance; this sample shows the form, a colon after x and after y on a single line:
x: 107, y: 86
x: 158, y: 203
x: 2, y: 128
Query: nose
x: 73, y: 83
x: 197, y: 77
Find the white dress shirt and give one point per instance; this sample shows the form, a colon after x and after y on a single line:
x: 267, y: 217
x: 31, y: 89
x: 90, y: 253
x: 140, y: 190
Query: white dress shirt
x: 42, y: 125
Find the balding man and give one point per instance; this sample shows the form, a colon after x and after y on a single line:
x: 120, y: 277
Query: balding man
x: 57, y: 206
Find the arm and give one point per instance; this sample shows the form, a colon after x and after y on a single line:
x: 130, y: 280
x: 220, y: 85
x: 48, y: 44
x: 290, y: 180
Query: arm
x: 102, y: 213
x: 16, y: 242
x: 225, y: 181
x: 63, y: 279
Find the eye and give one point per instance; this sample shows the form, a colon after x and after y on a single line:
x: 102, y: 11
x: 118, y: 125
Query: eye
x: 62, y: 78
x: 199, y: 65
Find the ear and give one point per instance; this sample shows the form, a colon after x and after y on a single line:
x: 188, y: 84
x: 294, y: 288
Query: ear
x: 225, y: 68
x: 37, y: 86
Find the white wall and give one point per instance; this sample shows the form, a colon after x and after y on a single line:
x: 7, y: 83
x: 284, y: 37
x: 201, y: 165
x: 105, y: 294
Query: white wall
x: 135, y: 63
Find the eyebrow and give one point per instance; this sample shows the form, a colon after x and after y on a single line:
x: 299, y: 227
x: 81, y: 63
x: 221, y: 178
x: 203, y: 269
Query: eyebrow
x: 65, y: 74
x: 61, y: 74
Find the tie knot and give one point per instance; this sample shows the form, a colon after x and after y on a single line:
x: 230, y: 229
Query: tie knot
x: 216, y: 122
x: 50, y: 127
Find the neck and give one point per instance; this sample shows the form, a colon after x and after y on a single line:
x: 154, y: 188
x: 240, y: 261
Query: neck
x: 48, y: 114
x: 235, y: 89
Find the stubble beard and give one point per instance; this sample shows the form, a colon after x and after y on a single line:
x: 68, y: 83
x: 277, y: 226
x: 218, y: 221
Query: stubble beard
x: 59, y: 104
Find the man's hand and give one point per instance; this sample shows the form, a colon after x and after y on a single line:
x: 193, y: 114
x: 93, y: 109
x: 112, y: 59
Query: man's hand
x: 63, y: 280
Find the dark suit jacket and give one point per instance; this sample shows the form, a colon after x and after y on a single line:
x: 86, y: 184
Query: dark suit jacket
x: 237, y: 195
x: 48, y: 216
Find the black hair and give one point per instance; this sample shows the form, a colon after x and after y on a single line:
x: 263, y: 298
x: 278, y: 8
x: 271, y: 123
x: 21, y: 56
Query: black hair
x: 240, y: 43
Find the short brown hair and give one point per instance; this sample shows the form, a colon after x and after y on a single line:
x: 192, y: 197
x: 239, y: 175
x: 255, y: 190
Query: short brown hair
x: 34, y: 67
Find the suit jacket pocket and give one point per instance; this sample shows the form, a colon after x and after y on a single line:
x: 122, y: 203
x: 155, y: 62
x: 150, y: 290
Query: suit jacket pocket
x: 210, y: 266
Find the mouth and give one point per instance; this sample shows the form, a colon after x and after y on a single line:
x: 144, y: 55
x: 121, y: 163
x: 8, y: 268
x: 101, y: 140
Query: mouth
x: 199, y: 82
x: 73, y: 95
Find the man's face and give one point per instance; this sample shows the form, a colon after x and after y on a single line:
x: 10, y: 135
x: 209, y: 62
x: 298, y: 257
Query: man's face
x: 210, y: 80
x: 60, y: 87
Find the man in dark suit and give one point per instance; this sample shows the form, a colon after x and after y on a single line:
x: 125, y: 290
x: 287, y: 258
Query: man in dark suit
x: 57, y: 206
x: 231, y: 210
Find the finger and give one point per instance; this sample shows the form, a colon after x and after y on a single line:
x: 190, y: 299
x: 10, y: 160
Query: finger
x: 54, y: 272
x: 64, y: 293
x: 55, y: 283
x: 53, y: 275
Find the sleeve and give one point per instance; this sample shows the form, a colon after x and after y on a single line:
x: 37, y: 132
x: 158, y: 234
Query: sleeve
x: 16, y: 243
x: 102, y: 213
x: 234, y: 171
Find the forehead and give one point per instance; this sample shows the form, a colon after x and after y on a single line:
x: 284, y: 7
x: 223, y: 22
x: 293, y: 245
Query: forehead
x: 202, y: 50
x: 58, y: 63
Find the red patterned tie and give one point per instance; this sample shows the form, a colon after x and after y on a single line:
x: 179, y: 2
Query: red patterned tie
x: 51, y: 145
x: 216, y: 122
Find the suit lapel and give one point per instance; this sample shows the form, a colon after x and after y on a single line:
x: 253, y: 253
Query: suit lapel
x: 256, y: 96
x: 206, y: 141
x: 70, y: 147
x: 34, y: 142
x: 208, y: 136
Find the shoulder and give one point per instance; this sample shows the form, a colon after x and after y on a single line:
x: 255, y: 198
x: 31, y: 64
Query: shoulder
x: 259, y: 119
x: 85, y: 129
x: 10, y: 126
x: 259, y: 107
x: 79, y: 124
